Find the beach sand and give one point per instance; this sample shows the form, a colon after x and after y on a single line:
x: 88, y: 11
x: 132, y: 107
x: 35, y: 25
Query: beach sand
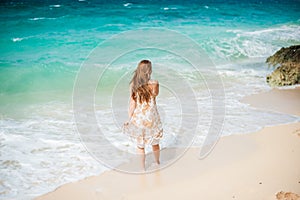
x: 261, y: 165
x: 280, y: 100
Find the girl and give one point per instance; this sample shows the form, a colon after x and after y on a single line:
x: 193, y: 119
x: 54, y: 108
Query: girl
x: 144, y: 124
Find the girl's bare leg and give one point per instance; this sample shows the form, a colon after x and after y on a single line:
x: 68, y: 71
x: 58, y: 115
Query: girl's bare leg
x: 141, y: 152
x: 156, y: 152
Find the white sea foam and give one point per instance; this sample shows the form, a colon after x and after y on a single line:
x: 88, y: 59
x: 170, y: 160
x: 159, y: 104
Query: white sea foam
x: 253, y: 44
x: 36, y: 18
x: 285, y: 29
x: 55, y: 6
x: 169, y: 8
x: 127, y: 4
x: 17, y: 39
x: 40, y: 18
x: 46, y: 152
x: 118, y: 25
x: 234, y: 31
x: 289, y: 87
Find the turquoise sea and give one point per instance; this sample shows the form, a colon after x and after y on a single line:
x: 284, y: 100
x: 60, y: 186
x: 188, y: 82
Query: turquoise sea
x: 44, y: 43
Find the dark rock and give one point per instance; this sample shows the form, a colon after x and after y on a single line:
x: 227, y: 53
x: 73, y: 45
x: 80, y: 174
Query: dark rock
x: 288, y: 73
x: 285, y: 55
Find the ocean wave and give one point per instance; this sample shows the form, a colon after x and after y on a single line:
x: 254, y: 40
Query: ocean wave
x: 40, y: 18
x: 30, y: 140
x: 118, y: 25
x: 134, y: 5
x: 127, y: 4
x: 169, y: 8
x: 253, y: 44
x: 36, y: 18
x: 17, y: 39
x: 55, y: 6
x: 285, y: 29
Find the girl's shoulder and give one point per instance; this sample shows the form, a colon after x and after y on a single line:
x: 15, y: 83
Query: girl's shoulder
x: 153, y: 82
x: 154, y: 86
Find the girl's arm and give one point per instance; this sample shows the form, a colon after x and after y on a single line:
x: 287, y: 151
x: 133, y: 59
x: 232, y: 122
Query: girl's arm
x: 132, y: 105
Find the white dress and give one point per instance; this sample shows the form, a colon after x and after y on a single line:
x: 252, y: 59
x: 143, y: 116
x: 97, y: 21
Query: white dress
x: 145, y: 126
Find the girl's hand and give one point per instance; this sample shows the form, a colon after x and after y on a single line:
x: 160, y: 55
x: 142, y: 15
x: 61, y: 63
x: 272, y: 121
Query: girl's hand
x: 124, y: 128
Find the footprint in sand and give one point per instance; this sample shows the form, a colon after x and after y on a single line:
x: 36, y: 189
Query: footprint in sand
x: 297, y: 132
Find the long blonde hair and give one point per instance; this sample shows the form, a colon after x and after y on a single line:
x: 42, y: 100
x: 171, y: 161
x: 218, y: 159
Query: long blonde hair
x: 139, y: 82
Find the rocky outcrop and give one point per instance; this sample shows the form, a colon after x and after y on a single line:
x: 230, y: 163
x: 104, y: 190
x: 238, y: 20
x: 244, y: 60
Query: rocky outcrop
x: 288, y: 71
x: 286, y: 74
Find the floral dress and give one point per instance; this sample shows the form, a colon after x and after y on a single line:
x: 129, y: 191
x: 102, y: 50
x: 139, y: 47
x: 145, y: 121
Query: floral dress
x: 145, y: 126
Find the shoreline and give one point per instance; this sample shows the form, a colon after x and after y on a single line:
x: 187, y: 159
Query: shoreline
x: 290, y: 97
x: 240, y: 158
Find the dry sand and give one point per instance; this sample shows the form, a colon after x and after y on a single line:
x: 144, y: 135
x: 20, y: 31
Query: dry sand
x: 253, y: 166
